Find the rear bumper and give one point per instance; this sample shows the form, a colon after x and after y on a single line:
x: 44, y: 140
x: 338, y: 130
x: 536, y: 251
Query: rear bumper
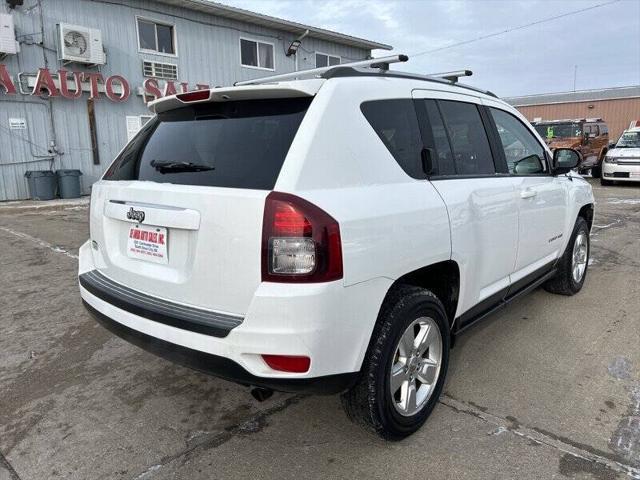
x: 329, y: 323
x: 621, y: 172
x: 220, y: 366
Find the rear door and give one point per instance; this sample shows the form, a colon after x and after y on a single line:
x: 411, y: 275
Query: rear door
x: 479, y: 195
x: 179, y: 213
x: 541, y: 197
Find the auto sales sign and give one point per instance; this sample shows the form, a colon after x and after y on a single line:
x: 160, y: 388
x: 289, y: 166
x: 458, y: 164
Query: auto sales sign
x: 71, y: 85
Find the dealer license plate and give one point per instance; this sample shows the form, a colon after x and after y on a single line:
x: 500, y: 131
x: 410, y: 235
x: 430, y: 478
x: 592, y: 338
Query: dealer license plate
x: 148, y: 243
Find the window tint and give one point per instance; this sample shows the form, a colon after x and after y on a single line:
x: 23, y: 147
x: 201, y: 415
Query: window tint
x: 441, y: 145
x: 396, y: 124
x: 239, y: 144
x: 468, y: 138
x: 524, y: 154
x: 604, y: 129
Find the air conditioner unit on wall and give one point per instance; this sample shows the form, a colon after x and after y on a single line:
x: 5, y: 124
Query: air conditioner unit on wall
x: 80, y: 45
x: 8, y: 43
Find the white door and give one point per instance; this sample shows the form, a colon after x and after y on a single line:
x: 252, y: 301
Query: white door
x: 481, y: 203
x: 542, y: 198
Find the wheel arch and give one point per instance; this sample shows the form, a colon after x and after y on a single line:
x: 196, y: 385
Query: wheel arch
x: 442, y: 278
x: 586, y: 212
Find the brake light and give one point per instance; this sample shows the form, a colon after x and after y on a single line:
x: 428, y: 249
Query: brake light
x: 288, y: 363
x: 300, y: 242
x: 195, y: 96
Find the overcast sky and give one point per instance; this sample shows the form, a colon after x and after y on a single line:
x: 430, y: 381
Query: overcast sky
x: 603, y: 42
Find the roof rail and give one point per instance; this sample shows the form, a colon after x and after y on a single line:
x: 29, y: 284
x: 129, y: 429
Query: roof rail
x: 381, y: 63
x: 345, y: 71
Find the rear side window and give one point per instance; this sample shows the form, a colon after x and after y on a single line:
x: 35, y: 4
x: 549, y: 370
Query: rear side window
x: 468, y: 138
x: 396, y: 124
x: 239, y: 144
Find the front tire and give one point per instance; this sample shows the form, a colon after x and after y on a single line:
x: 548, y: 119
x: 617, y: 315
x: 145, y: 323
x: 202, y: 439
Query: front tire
x: 405, y: 366
x: 572, y: 266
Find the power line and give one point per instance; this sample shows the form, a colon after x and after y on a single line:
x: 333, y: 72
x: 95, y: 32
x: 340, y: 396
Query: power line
x: 513, y: 29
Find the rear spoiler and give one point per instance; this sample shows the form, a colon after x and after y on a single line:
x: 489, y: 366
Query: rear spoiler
x: 301, y: 88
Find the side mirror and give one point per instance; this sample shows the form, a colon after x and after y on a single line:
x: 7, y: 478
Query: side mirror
x: 564, y: 160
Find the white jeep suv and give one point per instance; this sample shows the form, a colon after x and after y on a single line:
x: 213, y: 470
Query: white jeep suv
x: 331, y: 235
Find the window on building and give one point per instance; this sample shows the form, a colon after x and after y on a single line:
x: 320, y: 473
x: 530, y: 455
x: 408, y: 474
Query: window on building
x: 156, y: 37
x: 524, y: 154
x: 168, y: 71
x: 396, y: 124
x: 256, y: 54
x: 468, y: 138
x: 324, y: 60
x: 135, y: 123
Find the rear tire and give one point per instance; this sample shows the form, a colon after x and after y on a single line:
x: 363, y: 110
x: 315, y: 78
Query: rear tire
x: 573, y: 265
x: 596, y: 172
x: 405, y: 365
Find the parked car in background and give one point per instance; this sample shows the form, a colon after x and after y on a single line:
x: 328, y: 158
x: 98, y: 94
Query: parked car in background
x: 589, y: 136
x: 331, y: 235
x: 622, y: 163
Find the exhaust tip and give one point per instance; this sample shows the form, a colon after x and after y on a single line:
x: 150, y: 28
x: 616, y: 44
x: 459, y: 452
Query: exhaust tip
x: 261, y: 394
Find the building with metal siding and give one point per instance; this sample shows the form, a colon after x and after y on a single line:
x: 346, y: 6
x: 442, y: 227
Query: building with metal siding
x: 618, y: 107
x: 206, y: 41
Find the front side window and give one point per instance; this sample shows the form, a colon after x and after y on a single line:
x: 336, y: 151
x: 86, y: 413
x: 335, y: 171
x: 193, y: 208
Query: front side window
x: 396, y: 124
x: 323, y: 60
x: 524, y: 155
x: 237, y: 144
x: 256, y: 54
x: 156, y: 37
x: 468, y: 138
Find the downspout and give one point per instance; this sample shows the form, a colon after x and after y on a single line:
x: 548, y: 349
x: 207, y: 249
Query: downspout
x: 299, y: 39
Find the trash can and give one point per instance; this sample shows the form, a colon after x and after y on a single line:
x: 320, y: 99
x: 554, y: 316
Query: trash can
x: 42, y: 184
x: 69, y: 183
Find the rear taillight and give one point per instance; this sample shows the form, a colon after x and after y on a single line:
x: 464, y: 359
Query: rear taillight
x: 300, y: 242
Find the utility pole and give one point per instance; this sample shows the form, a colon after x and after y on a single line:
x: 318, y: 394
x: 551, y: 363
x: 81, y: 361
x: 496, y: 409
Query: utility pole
x: 575, y: 75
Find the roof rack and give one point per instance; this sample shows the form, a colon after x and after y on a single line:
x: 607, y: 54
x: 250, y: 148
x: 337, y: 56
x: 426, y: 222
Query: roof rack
x: 371, y: 67
x: 345, y: 71
x: 454, y: 76
x: 382, y: 64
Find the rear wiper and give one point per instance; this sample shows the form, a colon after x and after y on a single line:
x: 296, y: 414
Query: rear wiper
x: 165, y: 167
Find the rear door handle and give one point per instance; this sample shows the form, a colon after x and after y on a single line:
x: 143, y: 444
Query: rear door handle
x: 528, y: 193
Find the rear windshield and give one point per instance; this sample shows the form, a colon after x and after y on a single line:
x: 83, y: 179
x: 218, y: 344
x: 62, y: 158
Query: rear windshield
x: 239, y: 144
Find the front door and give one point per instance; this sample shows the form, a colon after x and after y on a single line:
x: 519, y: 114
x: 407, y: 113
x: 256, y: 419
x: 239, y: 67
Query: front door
x: 541, y: 198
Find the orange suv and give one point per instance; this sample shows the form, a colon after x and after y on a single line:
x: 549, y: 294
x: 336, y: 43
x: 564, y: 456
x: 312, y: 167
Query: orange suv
x: 589, y: 136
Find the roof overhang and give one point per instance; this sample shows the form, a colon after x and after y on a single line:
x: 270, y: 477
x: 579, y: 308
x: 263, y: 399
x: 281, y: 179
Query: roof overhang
x: 295, y: 28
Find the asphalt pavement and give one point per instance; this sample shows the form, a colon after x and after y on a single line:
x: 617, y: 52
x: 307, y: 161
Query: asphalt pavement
x: 547, y: 388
